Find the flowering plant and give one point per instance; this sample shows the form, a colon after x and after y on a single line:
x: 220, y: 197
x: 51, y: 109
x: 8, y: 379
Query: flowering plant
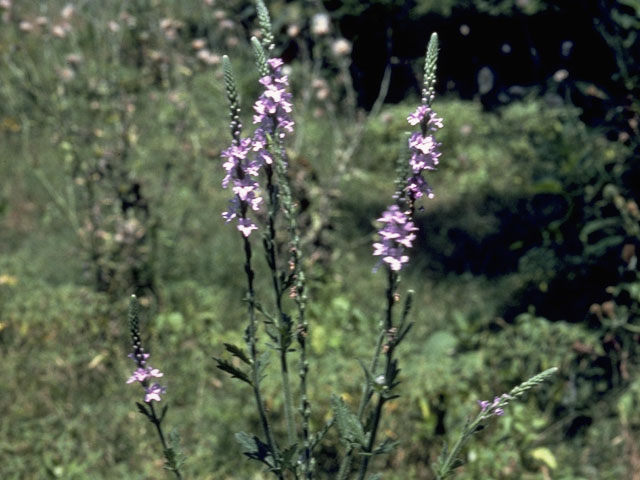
x: 256, y: 171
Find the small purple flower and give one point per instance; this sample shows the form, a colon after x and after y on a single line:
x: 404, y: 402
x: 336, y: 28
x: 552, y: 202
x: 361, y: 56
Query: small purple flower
x: 489, y: 409
x: 396, y: 235
x: 246, y: 226
x: 142, y: 374
x: 425, y: 115
x: 418, y: 116
x: 259, y: 145
x: 153, y: 392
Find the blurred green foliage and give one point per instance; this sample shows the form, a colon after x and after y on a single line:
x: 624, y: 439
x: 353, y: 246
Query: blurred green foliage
x: 533, y: 213
x: 444, y: 7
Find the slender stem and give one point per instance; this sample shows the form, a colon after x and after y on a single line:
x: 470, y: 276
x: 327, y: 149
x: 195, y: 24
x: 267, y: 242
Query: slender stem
x: 305, y: 407
x: 288, y: 399
x: 445, y: 468
x: 367, y: 390
x: 376, y: 420
x: 296, y: 276
x: 284, y: 329
x: 367, y: 393
x: 156, y: 421
x: 255, y: 381
x: 389, y: 347
x: 303, y: 333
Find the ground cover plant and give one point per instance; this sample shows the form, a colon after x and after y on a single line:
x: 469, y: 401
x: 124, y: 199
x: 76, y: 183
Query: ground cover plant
x: 111, y: 155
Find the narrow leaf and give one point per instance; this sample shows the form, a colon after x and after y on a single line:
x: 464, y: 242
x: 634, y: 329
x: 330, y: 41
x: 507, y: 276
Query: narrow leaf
x: 231, y: 370
x: 237, y: 352
x: 143, y: 410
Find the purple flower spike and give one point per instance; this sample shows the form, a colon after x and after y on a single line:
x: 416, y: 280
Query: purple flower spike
x: 240, y: 172
x: 272, y: 110
x: 246, y: 157
x: 424, y: 150
x: 143, y: 373
x: 396, y: 235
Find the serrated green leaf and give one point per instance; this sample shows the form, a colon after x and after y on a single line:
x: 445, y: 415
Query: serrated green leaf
x: 349, y: 426
x: 254, y: 448
x: 385, y: 447
x: 288, y: 457
x: 233, y: 371
x: 237, y: 352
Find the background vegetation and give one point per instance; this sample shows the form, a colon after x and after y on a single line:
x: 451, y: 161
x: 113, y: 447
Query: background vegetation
x: 112, y: 119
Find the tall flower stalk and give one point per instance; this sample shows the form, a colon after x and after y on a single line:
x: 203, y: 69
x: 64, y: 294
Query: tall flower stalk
x: 263, y: 155
x: 395, y: 237
x: 272, y: 117
x: 145, y: 374
x: 272, y: 111
x: 238, y: 167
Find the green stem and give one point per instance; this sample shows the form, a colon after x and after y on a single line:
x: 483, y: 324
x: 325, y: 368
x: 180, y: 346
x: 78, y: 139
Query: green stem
x: 367, y: 390
x: 298, y: 279
x: 446, y: 467
x: 156, y: 421
x: 288, y: 399
x: 376, y: 420
x: 255, y: 381
x: 367, y: 393
x: 391, y: 292
x: 284, y: 329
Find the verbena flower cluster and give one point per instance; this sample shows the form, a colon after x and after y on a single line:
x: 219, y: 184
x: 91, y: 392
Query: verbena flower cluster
x: 396, y: 235
x: 241, y: 172
x: 246, y: 156
x: 489, y: 409
x: 144, y: 373
x: 424, y: 150
x: 273, y: 107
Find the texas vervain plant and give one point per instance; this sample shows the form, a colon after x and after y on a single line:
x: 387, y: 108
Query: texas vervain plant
x: 153, y: 391
x: 256, y: 172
